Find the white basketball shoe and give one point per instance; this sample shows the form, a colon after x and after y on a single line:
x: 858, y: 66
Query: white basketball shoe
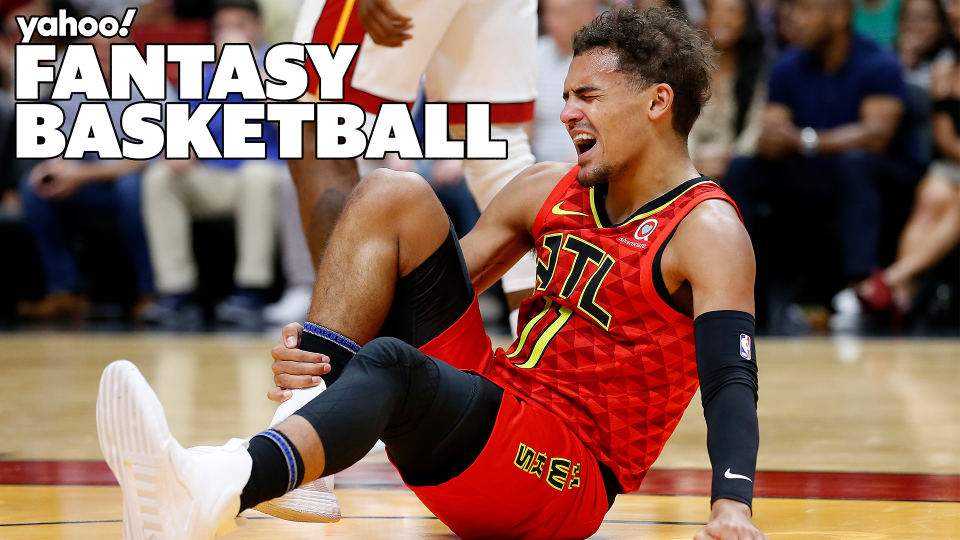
x: 312, y: 502
x: 169, y: 493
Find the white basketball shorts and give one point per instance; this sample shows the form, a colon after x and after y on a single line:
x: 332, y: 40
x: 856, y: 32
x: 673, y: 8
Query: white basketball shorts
x: 469, y: 51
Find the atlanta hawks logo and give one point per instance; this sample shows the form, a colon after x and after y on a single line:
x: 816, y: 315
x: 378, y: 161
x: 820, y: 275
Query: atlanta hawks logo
x: 646, y: 229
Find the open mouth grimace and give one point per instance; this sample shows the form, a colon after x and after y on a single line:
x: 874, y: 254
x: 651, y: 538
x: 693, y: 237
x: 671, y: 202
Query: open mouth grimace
x: 584, y: 142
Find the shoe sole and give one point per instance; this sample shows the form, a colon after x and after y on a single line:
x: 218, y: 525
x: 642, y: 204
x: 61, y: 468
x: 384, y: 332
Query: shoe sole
x: 136, y: 442
x: 312, y: 502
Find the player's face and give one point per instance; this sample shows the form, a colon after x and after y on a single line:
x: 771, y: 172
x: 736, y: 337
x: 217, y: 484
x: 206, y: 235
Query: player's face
x: 602, y: 116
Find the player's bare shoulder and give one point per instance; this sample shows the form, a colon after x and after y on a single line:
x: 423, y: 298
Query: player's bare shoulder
x: 539, y: 179
x: 713, y: 233
x: 715, y: 220
x: 712, y: 251
x: 525, y: 194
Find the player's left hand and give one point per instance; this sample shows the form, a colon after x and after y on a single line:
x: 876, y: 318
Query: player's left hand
x: 293, y: 367
x: 730, y: 520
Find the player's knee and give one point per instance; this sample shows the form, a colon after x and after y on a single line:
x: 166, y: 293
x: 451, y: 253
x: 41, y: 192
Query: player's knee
x: 388, y: 185
x: 381, y: 353
x: 393, y: 193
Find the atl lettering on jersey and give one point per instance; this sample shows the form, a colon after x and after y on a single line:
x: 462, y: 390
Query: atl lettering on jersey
x: 600, y: 345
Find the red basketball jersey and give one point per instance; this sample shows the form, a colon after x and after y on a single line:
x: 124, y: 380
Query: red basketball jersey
x: 599, y: 346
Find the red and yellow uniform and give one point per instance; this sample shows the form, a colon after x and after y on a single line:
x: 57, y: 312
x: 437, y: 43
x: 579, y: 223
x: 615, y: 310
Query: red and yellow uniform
x: 600, y: 347
x: 602, y: 370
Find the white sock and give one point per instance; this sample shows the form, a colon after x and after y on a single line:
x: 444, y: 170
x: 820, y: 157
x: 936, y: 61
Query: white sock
x: 300, y: 397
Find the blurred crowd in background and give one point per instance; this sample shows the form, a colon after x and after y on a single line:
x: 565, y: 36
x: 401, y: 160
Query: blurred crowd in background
x: 833, y: 125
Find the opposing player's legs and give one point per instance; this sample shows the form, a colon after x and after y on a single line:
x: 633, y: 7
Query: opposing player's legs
x: 323, y: 186
x: 378, y: 74
x: 498, y: 67
x: 486, y: 178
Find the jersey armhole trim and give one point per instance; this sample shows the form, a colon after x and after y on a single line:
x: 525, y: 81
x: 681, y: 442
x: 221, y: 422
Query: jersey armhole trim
x: 659, y: 286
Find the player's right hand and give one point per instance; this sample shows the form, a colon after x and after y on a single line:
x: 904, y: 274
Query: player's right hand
x: 730, y: 520
x: 385, y: 25
x: 294, y: 368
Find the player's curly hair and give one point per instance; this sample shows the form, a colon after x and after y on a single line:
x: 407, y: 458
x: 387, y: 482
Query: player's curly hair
x: 656, y: 46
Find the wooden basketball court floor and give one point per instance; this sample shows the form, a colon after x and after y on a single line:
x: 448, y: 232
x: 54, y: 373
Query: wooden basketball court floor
x: 860, y: 439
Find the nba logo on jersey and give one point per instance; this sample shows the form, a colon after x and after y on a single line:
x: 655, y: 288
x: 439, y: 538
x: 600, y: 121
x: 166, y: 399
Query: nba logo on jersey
x: 745, y: 346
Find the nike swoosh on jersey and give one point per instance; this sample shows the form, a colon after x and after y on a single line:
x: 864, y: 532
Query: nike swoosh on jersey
x: 561, y: 212
x: 731, y: 475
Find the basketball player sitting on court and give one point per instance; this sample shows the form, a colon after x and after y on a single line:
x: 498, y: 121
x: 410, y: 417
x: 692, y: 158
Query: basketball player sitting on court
x: 645, y: 286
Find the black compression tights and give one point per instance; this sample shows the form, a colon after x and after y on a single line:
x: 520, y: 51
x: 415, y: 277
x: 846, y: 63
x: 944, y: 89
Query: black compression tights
x: 433, y: 418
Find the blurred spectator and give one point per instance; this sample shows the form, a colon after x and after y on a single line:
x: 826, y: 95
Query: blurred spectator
x: 101, y: 8
x: 832, y: 147
x: 730, y: 123
x: 933, y: 229
x: 58, y: 188
x: 922, y: 36
x: 12, y: 35
x: 786, y: 32
x: 767, y: 14
x: 691, y: 9
x: 877, y: 20
x: 279, y: 18
x: 176, y: 191
x: 446, y: 178
x: 9, y: 37
x: 9, y: 201
x: 560, y: 19
x: 295, y: 259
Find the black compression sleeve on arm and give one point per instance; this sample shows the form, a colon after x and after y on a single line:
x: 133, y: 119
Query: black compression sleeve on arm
x: 727, y: 367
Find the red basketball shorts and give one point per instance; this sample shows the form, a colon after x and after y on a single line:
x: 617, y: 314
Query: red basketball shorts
x: 533, y: 479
